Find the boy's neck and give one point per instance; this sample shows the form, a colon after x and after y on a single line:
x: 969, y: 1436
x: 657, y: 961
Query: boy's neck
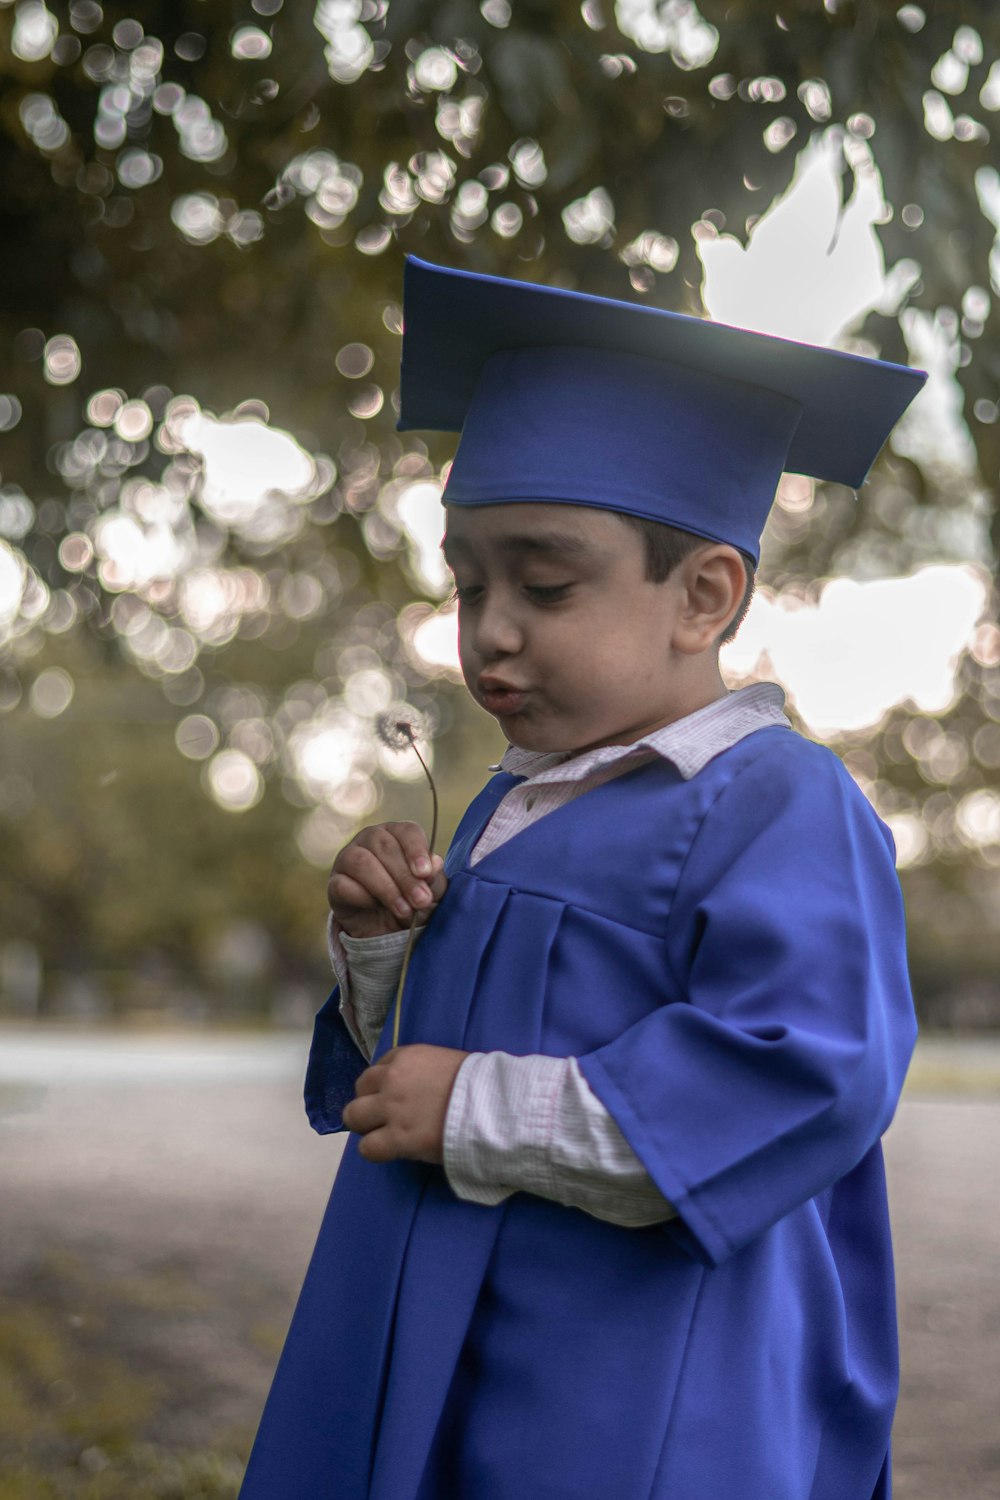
x: 706, y: 687
x: 633, y: 736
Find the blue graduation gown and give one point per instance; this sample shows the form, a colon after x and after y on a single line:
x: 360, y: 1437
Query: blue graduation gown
x: 726, y: 958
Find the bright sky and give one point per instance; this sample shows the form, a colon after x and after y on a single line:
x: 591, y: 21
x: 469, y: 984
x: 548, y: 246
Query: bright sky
x: 812, y: 271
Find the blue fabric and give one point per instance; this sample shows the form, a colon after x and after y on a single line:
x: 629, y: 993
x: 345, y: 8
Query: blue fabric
x: 726, y: 957
x: 334, y: 1067
x: 639, y: 431
x: 569, y: 398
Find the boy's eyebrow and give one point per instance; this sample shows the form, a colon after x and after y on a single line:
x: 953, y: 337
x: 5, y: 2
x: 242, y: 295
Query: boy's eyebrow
x: 545, y: 542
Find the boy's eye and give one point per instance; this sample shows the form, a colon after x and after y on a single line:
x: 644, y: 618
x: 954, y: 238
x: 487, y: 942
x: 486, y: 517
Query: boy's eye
x: 538, y: 593
x: 553, y: 591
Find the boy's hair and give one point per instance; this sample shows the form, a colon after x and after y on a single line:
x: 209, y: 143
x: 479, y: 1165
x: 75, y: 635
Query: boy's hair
x: 666, y: 548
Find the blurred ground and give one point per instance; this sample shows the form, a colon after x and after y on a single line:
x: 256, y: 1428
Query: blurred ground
x: 160, y: 1198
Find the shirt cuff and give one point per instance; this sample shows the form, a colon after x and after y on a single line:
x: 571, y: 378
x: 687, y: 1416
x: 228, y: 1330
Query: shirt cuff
x: 367, y: 971
x: 534, y: 1124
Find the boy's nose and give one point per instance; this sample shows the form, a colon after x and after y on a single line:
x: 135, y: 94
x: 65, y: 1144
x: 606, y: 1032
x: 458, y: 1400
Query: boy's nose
x: 494, y: 632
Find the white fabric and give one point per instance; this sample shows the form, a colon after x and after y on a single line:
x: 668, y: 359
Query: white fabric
x: 367, y: 971
x: 533, y: 1123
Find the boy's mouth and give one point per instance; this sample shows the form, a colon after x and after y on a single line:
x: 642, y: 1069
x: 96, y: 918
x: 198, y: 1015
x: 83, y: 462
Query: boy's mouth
x: 500, y: 697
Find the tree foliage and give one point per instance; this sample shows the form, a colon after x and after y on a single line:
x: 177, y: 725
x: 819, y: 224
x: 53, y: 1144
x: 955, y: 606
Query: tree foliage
x: 206, y: 209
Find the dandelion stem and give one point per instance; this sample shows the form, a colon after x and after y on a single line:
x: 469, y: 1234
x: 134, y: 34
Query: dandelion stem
x: 413, y: 920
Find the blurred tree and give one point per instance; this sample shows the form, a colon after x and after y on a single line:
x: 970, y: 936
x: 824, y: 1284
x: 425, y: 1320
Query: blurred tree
x: 203, y: 220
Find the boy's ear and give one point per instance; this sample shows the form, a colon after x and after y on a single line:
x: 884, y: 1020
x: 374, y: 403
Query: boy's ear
x: 713, y: 582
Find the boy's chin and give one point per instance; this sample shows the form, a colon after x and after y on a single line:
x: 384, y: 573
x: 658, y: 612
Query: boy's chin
x: 543, y: 739
x: 526, y: 736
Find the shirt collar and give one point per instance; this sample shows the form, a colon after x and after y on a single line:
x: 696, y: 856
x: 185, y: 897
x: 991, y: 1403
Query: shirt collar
x: 689, y: 743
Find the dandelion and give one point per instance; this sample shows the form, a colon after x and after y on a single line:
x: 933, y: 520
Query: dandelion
x: 398, y: 728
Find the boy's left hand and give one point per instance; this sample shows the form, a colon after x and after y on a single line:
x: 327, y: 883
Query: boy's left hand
x: 400, y: 1103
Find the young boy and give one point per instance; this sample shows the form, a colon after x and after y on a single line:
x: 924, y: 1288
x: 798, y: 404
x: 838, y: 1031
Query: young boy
x: 611, y: 1223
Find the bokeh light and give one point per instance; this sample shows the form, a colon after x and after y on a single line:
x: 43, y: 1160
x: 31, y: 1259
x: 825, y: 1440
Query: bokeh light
x: 35, y: 30
x: 680, y: 30
x: 329, y: 186
x: 590, y: 220
x: 354, y: 360
x: 43, y: 123
x: 51, y: 693
x: 10, y: 412
x: 864, y: 647
x: 418, y: 506
x: 435, y: 69
x: 17, y: 514
x: 13, y: 570
x: 910, y: 835
x: 321, y: 834
x: 198, y: 217
x: 349, y: 50
x: 62, y: 360
x: 496, y: 12
x: 250, y: 42
x: 250, y: 470
x: 785, y: 282
x: 197, y: 737
x: 432, y: 635
x: 329, y: 752
x: 978, y: 818
x: 233, y: 781
x: 133, y: 421
x: 201, y: 137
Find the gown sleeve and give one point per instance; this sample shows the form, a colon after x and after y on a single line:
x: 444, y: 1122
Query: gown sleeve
x: 335, y: 1064
x: 347, y: 1027
x: 781, y: 1064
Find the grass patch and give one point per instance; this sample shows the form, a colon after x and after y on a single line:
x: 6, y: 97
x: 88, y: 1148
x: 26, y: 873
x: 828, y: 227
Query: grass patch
x: 142, y: 1472
x: 87, y: 1392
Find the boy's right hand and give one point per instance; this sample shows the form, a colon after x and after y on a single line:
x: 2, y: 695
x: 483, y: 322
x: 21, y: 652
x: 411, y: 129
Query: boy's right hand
x: 381, y: 877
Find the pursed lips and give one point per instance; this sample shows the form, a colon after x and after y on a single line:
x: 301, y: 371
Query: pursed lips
x: 498, y: 696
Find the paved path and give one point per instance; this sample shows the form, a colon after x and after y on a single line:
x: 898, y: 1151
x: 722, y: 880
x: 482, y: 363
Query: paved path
x: 135, y: 1153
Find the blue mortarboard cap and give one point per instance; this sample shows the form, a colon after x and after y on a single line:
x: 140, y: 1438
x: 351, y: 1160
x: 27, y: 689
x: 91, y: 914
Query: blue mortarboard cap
x: 568, y: 398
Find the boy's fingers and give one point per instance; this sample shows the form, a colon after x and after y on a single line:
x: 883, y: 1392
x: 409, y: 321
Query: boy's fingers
x: 379, y: 867
x: 342, y: 892
x: 371, y: 1080
x: 350, y: 892
x: 413, y: 842
x: 363, y: 880
x: 401, y: 847
x: 364, y: 1113
x: 377, y: 1146
x: 408, y: 863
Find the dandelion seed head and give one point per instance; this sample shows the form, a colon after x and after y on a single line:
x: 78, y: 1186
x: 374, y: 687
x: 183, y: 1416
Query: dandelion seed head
x: 399, y: 726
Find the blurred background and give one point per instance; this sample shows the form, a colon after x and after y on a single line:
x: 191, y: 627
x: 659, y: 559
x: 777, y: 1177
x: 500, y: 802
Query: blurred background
x: 219, y: 563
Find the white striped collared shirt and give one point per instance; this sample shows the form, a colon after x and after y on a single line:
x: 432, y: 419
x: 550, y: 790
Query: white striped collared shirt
x: 533, y: 1123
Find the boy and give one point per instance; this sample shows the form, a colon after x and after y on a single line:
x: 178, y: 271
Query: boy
x: 612, y: 1219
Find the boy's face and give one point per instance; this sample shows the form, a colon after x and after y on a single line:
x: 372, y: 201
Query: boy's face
x: 554, y: 603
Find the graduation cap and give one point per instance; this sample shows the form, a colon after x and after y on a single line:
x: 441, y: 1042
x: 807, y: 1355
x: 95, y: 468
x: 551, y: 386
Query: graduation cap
x: 567, y: 398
